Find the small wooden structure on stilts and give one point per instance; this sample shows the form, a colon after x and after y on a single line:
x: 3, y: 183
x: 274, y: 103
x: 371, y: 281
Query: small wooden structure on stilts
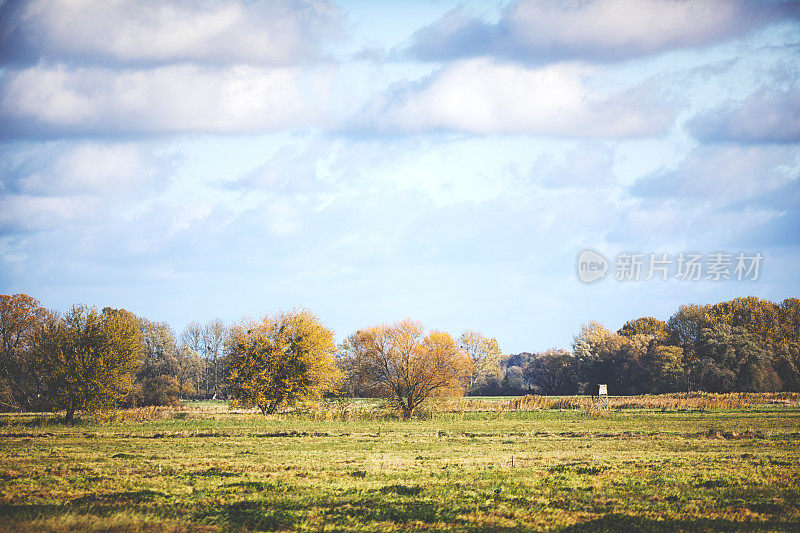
x: 602, y: 396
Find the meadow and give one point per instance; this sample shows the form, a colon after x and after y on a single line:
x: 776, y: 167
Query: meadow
x: 649, y: 463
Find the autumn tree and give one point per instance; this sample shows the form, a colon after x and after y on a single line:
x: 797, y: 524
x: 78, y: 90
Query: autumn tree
x: 760, y: 317
x: 645, y: 326
x: 661, y: 365
x: 188, y: 368
x: 282, y: 360
x: 606, y: 357
x: 156, y: 382
x: 90, y: 358
x: 22, y: 377
x: 484, y: 353
x: 407, y: 366
x: 553, y: 372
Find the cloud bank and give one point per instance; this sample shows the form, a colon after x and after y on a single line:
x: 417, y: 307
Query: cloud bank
x: 482, y: 96
x: 594, y: 30
x: 58, y: 101
x: 131, y: 32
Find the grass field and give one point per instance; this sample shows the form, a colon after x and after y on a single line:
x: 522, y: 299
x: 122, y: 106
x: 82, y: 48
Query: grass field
x: 204, y: 468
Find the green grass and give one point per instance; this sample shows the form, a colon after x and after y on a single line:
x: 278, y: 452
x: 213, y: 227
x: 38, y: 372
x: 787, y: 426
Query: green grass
x: 572, y: 470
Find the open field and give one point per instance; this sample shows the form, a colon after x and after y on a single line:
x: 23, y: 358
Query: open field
x: 205, y: 468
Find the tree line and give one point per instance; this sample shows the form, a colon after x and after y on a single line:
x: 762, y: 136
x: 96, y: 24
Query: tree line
x: 89, y: 360
x: 741, y: 345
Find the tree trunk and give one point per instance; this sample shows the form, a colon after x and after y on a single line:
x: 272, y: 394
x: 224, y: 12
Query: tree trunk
x: 70, y: 415
x: 270, y: 408
x: 408, y: 408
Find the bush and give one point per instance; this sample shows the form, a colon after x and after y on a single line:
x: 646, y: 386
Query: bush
x: 158, y: 390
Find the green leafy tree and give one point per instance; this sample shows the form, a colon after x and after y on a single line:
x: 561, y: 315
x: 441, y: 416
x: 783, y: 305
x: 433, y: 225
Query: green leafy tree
x: 684, y: 331
x: 280, y: 361
x: 662, y: 369
x: 786, y: 357
x: 731, y: 358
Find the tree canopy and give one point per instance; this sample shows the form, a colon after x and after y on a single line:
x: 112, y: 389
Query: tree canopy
x: 284, y: 359
x: 91, y: 357
x: 484, y: 353
x: 407, y: 366
x: 22, y: 377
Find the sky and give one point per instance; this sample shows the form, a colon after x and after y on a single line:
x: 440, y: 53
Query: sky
x: 444, y: 161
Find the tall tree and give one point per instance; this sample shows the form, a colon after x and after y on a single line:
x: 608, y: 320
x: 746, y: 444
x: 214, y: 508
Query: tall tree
x: 684, y: 329
x: 760, y: 317
x: 21, y: 375
x: 192, y: 336
x: 157, y: 378
x: 787, y: 350
x: 731, y: 358
x: 214, y: 336
x: 407, y: 366
x: 485, y: 355
x: 91, y: 357
x: 282, y: 360
x: 188, y: 368
x: 662, y: 369
x: 553, y: 372
x: 605, y: 357
x: 160, y: 350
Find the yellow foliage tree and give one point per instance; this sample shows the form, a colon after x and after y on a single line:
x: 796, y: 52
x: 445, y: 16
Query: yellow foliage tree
x: 91, y: 357
x: 282, y: 360
x: 22, y: 378
x: 485, y: 355
x: 407, y: 366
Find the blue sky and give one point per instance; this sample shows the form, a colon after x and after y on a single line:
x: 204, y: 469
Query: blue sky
x: 444, y: 161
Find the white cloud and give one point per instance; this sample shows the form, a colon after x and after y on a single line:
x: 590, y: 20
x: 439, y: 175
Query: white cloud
x: 538, y: 30
x: 44, y: 101
x: 622, y: 27
x: 279, y: 32
x: 24, y: 213
x: 482, y: 96
x: 82, y: 168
